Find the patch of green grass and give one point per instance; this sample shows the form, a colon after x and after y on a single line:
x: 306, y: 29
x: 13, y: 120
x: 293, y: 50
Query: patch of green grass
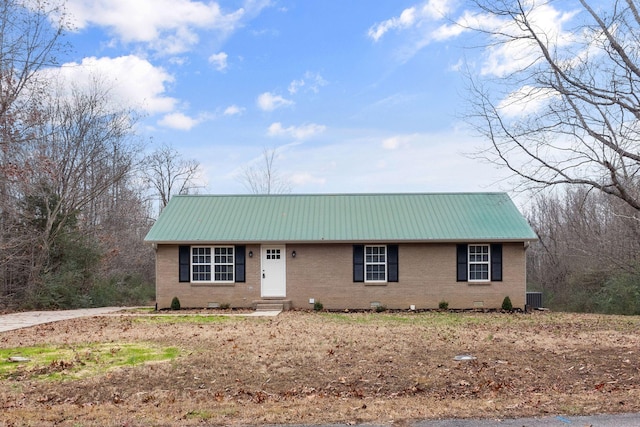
x: 78, y: 361
x: 141, y: 310
x: 199, y: 414
x: 428, y: 319
x: 186, y: 318
x: 400, y: 318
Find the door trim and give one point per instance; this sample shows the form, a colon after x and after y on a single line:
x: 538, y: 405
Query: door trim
x: 280, y: 289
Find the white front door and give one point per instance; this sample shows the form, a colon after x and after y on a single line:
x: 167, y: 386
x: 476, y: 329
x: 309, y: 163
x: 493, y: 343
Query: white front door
x: 274, y: 272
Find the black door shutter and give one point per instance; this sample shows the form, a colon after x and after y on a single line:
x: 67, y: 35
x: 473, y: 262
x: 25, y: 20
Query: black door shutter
x: 461, y: 275
x: 392, y: 263
x: 184, y: 255
x: 358, y: 263
x: 240, y: 261
x: 496, y: 262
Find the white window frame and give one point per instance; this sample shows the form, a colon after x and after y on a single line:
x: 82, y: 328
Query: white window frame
x: 212, y: 260
x: 273, y: 254
x: 373, y: 259
x: 472, y: 259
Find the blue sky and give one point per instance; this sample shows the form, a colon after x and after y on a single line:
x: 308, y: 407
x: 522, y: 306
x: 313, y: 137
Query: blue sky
x: 355, y: 96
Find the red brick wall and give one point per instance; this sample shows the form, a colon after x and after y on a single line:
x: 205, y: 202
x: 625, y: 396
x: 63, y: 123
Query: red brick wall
x: 324, y: 272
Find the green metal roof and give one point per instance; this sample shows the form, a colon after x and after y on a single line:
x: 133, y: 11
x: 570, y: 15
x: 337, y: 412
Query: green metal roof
x: 436, y: 217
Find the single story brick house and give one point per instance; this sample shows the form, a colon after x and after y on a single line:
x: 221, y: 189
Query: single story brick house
x: 346, y: 251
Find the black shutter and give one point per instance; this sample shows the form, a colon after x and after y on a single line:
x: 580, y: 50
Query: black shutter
x: 358, y: 263
x: 496, y: 262
x: 462, y: 263
x: 184, y: 255
x: 240, y: 260
x: 392, y: 263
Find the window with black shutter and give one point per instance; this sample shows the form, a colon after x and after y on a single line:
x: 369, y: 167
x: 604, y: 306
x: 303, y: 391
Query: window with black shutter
x: 240, y: 262
x: 375, y: 263
x: 184, y: 263
x: 479, y: 262
x: 392, y: 263
x: 358, y: 263
x: 461, y: 271
x: 496, y: 262
x: 211, y: 264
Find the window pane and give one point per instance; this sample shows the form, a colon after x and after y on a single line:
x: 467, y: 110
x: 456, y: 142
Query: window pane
x: 375, y: 264
x: 479, y: 263
x: 375, y: 272
x: 203, y: 263
x: 223, y: 264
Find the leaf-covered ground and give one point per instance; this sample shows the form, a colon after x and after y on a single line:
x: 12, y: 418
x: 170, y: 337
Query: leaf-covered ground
x: 302, y: 367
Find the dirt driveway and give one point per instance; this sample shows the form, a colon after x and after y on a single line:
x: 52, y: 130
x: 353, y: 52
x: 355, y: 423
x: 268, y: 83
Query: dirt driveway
x: 9, y: 322
x: 12, y: 321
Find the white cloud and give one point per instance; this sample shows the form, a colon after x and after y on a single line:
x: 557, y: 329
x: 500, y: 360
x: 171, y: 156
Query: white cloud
x: 169, y: 26
x: 362, y: 164
x: 398, y: 141
x: 219, y: 60
x: 436, y: 9
x: 406, y: 20
x: 412, y: 17
x: 311, y: 81
x: 526, y: 100
x: 269, y: 101
x: 178, y: 60
x: 305, y: 178
x: 295, y: 85
x: 296, y: 132
x: 178, y: 121
x: 233, y: 110
x: 132, y: 82
x: 511, y: 48
x: 422, y: 25
x: 346, y: 162
x: 446, y: 32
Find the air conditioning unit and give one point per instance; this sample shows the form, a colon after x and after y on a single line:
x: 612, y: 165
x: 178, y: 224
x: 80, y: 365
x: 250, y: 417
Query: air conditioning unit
x: 534, y: 300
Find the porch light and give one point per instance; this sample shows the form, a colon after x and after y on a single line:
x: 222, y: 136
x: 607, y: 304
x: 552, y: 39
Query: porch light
x: 250, y: 254
x: 293, y: 254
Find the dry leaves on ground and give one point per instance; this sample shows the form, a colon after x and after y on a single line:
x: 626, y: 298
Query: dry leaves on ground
x: 303, y: 367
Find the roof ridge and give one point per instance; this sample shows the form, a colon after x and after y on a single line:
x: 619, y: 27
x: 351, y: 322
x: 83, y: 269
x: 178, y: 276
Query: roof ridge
x: 346, y: 194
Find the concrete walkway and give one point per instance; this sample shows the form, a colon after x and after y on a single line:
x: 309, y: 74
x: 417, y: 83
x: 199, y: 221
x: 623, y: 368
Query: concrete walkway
x: 9, y: 322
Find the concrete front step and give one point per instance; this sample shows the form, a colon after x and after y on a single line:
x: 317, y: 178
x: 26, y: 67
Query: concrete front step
x: 272, y: 305
x: 269, y: 307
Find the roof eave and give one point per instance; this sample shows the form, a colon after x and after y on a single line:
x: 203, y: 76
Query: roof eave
x: 309, y: 242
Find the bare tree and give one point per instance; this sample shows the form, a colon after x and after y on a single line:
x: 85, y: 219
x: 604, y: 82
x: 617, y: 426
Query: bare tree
x: 264, y: 178
x: 569, y: 113
x: 30, y: 33
x: 71, y: 214
x: 586, y: 238
x: 168, y: 173
x: 78, y: 153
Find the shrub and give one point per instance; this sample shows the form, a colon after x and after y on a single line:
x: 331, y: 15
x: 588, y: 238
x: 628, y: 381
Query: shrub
x: 443, y: 305
x: 225, y: 306
x: 121, y: 290
x: 317, y: 306
x: 380, y: 308
x: 619, y: 295
x: 175, y: 303
x: 506, y: 304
